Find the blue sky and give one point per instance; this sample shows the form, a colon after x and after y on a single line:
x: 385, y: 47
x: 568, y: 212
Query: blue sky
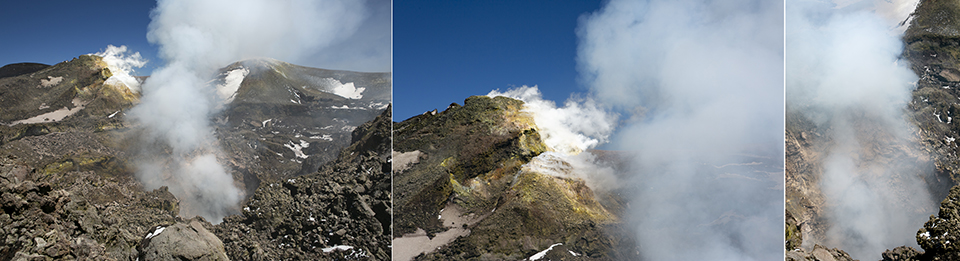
x: 50, y: 32
x: 446, y: 51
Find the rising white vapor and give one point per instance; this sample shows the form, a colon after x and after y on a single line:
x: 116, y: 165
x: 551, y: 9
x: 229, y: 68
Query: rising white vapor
x: 701, y: 84
x: 568, y: 132
x: 844, y: 73
x: 121, y: 65
x: 579, y: 125
x: 195, y: 39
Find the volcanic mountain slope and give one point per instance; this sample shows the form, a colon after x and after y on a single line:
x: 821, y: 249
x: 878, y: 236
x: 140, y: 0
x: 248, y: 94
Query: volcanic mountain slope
x: 67, y: 188
x: 281, y: 120
x: 460, y: 178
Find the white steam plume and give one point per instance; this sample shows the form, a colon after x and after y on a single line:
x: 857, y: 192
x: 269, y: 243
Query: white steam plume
x: 121, y: 66
x: 196, y: 38
x: 701, y: 83
x: 568, y: 132
x: 579, y: 125
x: 843, y: 73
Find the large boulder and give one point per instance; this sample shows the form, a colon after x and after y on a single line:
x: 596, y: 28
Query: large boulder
x: 182, y: 241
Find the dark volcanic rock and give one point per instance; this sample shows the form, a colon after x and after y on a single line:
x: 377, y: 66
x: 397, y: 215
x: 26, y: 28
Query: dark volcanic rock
x: 76, y: 214
x: 346, y: 203
x: 939, y: 235
x: 902, y: 253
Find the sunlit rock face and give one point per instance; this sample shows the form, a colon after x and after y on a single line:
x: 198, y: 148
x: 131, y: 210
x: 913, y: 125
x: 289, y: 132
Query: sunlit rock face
x: 477, y: 181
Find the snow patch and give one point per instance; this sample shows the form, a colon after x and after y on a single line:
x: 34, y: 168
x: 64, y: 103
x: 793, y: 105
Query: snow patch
x: 337, y: 247
x: 543, y: 253
x: 325, y: 137
x: 228, y: 90
x: 346, y: 90
x: 297, y: 148
x: 378, y: 105
x: 56, y: 115
x: 51, y: 82
x: 155, y: 232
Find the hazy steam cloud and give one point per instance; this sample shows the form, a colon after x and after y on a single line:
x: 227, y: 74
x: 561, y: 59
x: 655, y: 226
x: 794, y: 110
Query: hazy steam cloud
x: 843, y: 73
x: 196, y: 38
x: 121, y: 66
x: 700, y: 84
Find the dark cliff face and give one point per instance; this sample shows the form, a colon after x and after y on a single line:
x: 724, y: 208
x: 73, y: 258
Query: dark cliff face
x: 68, y: 189
x: 460, y: 172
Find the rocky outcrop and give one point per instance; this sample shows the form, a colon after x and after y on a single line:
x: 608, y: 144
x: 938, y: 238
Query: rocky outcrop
x: 463, y: 191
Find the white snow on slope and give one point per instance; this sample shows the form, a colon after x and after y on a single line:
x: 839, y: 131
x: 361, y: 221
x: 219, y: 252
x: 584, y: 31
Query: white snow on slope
x: 346, y: 90
x: 543, y: 253
x: 228, y: 90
